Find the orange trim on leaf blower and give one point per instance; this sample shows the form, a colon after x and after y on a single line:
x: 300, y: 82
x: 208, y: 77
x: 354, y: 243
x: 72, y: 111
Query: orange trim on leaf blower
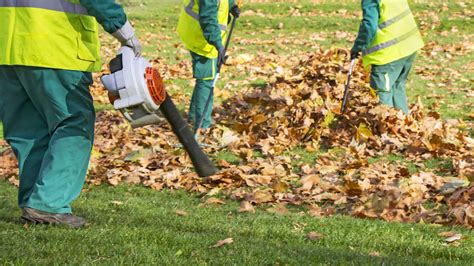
x: 155, y: 85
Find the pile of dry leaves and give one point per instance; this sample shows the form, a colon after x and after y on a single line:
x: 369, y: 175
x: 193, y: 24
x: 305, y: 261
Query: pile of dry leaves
x: 300, y: 110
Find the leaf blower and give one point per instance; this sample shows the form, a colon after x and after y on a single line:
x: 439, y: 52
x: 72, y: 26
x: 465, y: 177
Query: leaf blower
x: 137, y: 90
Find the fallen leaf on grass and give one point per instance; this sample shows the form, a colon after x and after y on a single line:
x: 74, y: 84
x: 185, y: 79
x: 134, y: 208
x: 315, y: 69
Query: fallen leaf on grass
x: 374, y: 254
x: 221, y: 243
x: 14, y: 181
x: 353, y: 188
x: 214, y: 201
x: 246, y: 206
x: 363, y: 132
x: 279, y: 187
x: 314, y: 235
x: 453, y: 238
x: 116, y: 202
x: 315, y: 210
x: 181, y: 213
x: 279, y: 209
x: 113, y: 181
x: 447, y: 234
x: 228, y: 137
x: 309, y: 181
x: 450, y: 236
x: 259, y: 197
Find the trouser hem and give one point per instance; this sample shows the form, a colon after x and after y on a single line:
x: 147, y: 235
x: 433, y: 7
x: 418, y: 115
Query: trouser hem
x: 44, y: 208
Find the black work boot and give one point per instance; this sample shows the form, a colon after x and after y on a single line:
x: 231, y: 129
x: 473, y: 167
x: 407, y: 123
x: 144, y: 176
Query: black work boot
x: 40, y: 217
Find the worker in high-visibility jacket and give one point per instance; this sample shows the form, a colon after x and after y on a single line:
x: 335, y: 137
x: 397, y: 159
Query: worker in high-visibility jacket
x: 388, y: 40
x: 48, y: 50
x: 202, y: 27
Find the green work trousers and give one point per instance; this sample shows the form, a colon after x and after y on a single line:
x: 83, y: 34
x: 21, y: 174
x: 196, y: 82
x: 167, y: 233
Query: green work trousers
x: 48, y: 118
x: 389, y: 82
x: 204, y: 71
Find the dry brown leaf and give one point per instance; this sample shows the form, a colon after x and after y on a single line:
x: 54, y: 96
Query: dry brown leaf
x: 215, y: 201
x: 181, y: 213
x: 116, y: 202
x: 314, y: 235
x: 315, y: 210
x: 374, y: 254
x: 453, y: 238
x: 221, y: 243
x: 279, y: 187
x: 310, y: 181
x: 246, y: 206
x: 14, y: 181
x: 353, y: 188
x: 279, y: 209
x: 259, y: 197
x: 447, y: 234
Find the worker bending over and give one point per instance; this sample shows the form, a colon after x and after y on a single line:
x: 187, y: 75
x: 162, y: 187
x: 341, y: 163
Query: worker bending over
x: 203, y: 29
x: 388, y: 39
x: 48, y: 50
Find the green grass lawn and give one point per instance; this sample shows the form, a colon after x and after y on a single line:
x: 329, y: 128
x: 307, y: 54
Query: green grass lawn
x: 141, y: 227
x: 133, y: 225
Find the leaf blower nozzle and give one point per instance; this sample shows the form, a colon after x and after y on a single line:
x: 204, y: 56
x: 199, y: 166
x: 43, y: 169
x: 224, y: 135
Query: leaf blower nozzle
x: 137, y: 90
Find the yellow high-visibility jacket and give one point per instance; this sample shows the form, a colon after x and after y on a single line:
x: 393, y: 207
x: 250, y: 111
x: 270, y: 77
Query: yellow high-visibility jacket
x: 190, y: 30
x: 397, y: 35
x: 55, y: 34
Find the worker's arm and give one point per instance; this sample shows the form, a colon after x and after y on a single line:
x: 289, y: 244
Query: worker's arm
x: 208, y: 20
x: 113, y: 19
x: 108, y: 13
x: 368, y: 26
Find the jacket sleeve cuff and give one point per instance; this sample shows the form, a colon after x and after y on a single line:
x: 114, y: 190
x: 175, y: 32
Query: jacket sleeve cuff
x: 357, y: 48
x: 219, y: 46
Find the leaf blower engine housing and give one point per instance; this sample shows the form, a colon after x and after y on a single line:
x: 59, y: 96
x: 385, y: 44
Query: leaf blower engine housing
x: 135, y: 88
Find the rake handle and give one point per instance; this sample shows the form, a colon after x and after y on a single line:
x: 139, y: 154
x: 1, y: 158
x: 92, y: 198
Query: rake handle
x: 347, y: 87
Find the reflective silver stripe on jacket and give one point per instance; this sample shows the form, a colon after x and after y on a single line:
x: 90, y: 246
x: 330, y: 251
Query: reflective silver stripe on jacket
x: 395, y: 19
x: 189, y: 10
x: 55, y: 5
x: 391, y: 42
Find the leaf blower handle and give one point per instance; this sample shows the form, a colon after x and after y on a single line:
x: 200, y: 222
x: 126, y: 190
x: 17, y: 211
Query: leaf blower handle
x: 346, y: 89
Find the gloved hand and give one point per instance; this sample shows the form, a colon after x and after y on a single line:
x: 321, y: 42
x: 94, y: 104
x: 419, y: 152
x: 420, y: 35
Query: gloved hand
x: 220, y: 56
x: 235, y: 11
x: 126, y: 36
x: 354, y: 54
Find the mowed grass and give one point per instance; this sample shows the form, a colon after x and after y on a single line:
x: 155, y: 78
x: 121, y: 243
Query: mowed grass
x: 136, y: 225
x: 133, y: 225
